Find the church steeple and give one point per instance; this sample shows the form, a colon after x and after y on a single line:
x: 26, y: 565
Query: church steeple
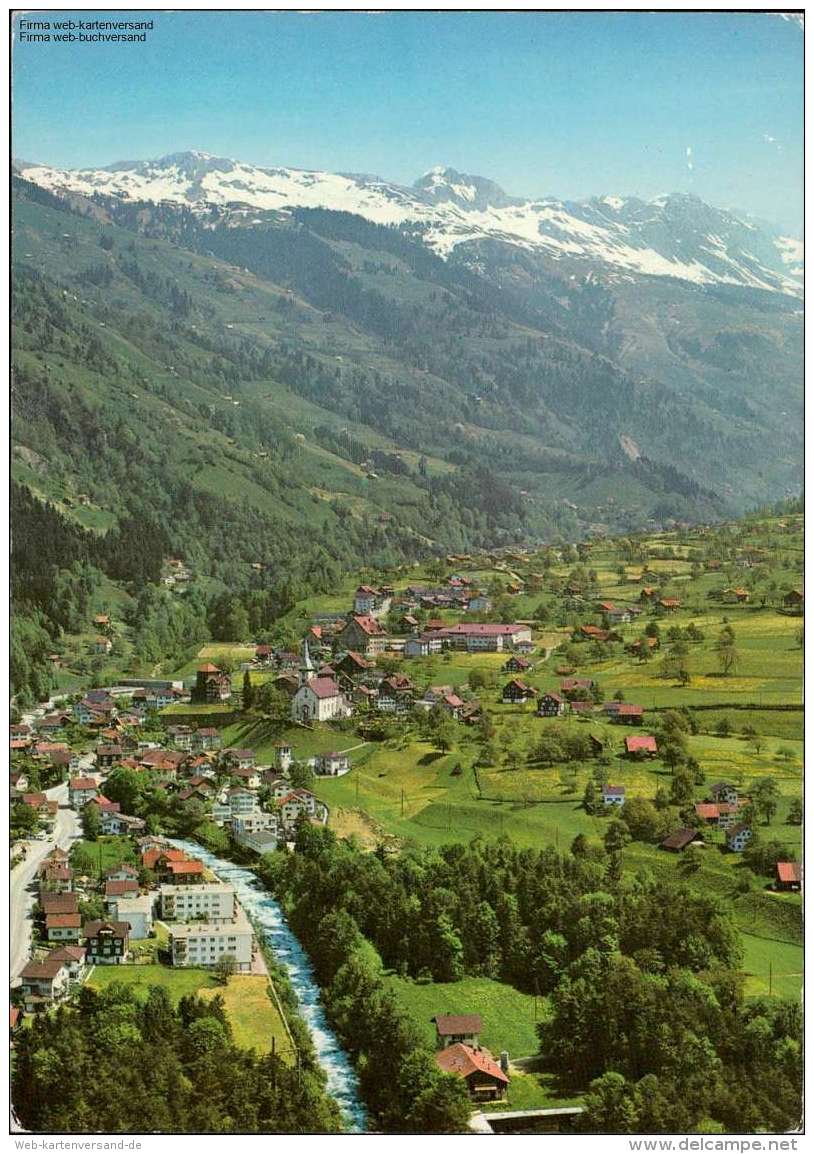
x: 307, y: 671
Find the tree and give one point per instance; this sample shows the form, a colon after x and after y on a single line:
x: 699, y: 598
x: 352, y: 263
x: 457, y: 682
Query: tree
x: 726, y: 652
x: 24, y: 820
x: 765, y: 794
x: 682, y: 788
x: 91, y: 821
x: 224, y: 968
x: 589, y: 797
x: 609, y: 1107
x: 616, y: 837
x: 248, y: 691
x: 795, y: 814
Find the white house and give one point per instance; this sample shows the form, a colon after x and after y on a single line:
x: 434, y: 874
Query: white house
x: 212, y: 902
x: 331, y: 764
x: 136, y: 910
x: 205, y: 943
x: 613, y: 795
x: 738, y: 837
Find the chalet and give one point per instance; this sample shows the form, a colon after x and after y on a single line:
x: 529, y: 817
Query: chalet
x: 233, y: 759
x: 62, y: 902
x: 516, y: 664
x: 63, y: 927
x: 581, y: 707
x: 649, y: 593
x: 707, y: 812
x: 551, y: 705
x: 45, y: 810
x: 409, y: 623
x: 44, y: 983
x: 250, y: 778
x: 186, y: 872
x: 19, y: 781
x: 788, y: 875
x: 470, y: 713
x: 737, y: 596
x: 613, y: 795
x: 102, y: 621
x: 484, y: 1078
x: 51, y: 724
x: 669, y: 604
x: 516, y: 692
x: 627, y: 714
x: 396, y: 694
x: 108, y: 755
x: 102, y: 645
x: 287, y: 682
x: 452, y: 1028
x: 54, y: 877
x: 121, y: 873
x: 723, y: 791
x: 643, y: 645
x: 331, y: 764
x: 263, y: 655
x: 738, y: 837
x: 364, y: 635
x: 615, y: 614
x: 163, y: 762
x: 121, y: 823
x: 73, y: 959
x: 212, y: 685
x: 65, y: 760
x: 369, y: 602
x: 206, y: 738
x: 642, y: 745
x: 678, y: 841
x: 155, y: 857
x: 794, y: 600
x: 352, y: 665
x: 106, y: 943
x: 181, y: 736
x: 592, y: 633
x: 570, y: 685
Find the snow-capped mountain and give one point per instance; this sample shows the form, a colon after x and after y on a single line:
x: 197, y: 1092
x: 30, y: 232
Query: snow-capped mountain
x: 671, y: 236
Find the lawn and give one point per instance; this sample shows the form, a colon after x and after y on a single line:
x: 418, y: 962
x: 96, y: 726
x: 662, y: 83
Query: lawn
x: 106, y: 851
x: 508, y: 1016
x: 177, y: 982
x: 252, y: 1013
x: 772, y: 967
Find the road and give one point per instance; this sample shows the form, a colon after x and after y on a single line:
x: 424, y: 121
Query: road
x: 67, y: 828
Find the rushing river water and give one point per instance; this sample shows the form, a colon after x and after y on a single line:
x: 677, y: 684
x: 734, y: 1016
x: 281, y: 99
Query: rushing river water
x: 269, y: 921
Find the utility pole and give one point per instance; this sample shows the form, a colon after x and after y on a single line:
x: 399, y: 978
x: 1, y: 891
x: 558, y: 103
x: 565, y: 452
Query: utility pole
x: 402, y: 803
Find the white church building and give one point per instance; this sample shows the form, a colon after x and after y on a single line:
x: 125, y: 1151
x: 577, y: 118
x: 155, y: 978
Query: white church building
x: 318, y: 698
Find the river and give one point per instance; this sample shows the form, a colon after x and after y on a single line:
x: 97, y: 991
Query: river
x: 269, y: 921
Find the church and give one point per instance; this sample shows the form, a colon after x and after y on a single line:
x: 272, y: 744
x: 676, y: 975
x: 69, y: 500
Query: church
x: 317, y: 698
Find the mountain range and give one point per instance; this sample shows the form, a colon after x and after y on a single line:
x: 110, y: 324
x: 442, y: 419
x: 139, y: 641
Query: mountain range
x: 283, y: 371
x: 674, y: 236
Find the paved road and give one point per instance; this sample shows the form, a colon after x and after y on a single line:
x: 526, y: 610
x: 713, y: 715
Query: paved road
x: 67, y: 828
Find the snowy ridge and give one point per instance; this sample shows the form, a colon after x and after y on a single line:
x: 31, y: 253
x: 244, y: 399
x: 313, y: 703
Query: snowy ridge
x: 672, y: 236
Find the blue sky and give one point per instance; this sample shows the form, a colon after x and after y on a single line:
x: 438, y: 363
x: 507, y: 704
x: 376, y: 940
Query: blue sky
x: 570, y: 104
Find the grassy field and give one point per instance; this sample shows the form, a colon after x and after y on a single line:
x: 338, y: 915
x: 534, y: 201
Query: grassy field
x: 177, y: 982
x: 508, y: 1016
x: 250, y: 1008
x: 253, y: 1015
x: 772, y: 967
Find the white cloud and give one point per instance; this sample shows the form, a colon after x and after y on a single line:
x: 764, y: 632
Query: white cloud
x: 690, y: 165
x: 773, y: 141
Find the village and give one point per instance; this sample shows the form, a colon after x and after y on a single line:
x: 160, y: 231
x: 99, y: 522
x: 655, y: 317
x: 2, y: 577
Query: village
x: 134, y: 766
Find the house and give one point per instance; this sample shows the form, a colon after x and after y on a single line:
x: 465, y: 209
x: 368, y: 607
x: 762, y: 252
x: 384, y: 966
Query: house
x: 106, y: 942
x: 369, y: 602
x: 283, y: 756
x: 670, y: 604
x: 643, y: 645
x: 181, y: 736
x: 352, y: 665
x: 723, y: 791
x: 479, y: 603
x: 789, y: 875
x: 516, y: 664
x: 626, y: 714
x: 102, y: 645
x: 64, y: 760
x: 233, y: 759
x: 794, y: 600
x: 592, y: 633
x: 184, y: 872
x: 116, y: 888
x: 331, y: 764
x: 121, y: 873
x: 81, y: 790
x: 424, y: 645
x: 396, y: 695
x: 581, y: 707
x: 257, y: 821
x: 738, y: 837
x: 570, y: 685
x: 44, y: 982
x: 205, y: 943
x: 452, y: 1028
x: 63, y: 927
x: 73, y: 959
x: 212, y: 685
x: 59, y: 903
x: 649, y: 593
x: 108, y: 755
x: 206, y: 738
x: 120, y: 823
x: 240, y: 799
x: 678, y: 841
x: 613, y: 795
x: 363, y: 634
x: 317, y: 698
x: 615, y: 614
x: 263, y: 655
x: 50, y: 724
x: 211, y: 902
x: 707, y: 812
x: 737, y: 596
x: 551, y: 704
x: 54, y: 877
x: 642, y: 745
x: 516, y: 692
x: 135, y: 911
x: 484, y: 1078
x: 487, y: 637
x: 45, y: 810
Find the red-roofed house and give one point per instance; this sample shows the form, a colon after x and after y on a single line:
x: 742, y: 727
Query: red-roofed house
x: 63, y: 927
x: 642, y: 745
x: 81, y: 790
x: 484, y: 1078
x: 789, y: 875
x: 627, y: 714
x: 364, y: 635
